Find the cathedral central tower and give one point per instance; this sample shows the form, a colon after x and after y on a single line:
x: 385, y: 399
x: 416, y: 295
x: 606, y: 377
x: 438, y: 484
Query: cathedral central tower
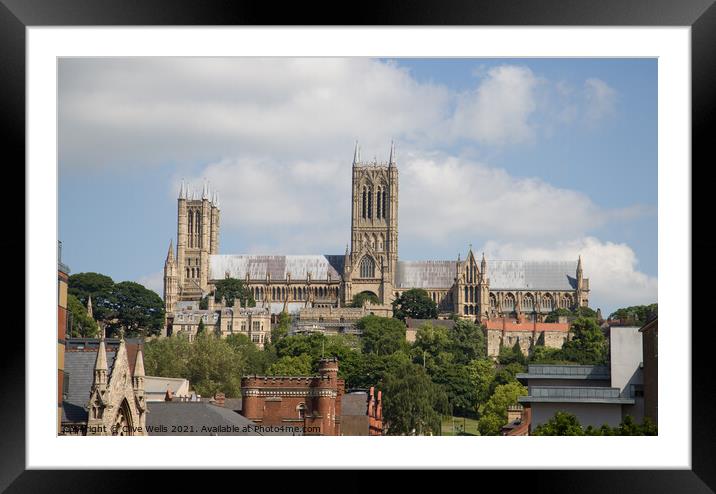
x: 372, y: 260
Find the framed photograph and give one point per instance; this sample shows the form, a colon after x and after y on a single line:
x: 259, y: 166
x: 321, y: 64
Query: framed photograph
x: 421, y: 223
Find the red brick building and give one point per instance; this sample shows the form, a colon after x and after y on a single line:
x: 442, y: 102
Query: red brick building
x: 309, y: 403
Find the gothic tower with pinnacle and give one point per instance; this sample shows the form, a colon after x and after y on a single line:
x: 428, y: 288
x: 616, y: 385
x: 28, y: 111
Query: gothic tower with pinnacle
x: 371, y: 262
x: 187, y: 276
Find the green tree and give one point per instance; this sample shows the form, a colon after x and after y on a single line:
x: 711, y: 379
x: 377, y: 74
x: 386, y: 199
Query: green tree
x: 167, y: 357
x: 462, y: 395
x: 99, y: 286
x: 412, y: 403
x: 282, y: 327
x: 257, y: 361
x: 415, y: 303
x: 509, y: 355
x: 431, y: 339
x: 200, y: 328
x: 585, y: 312
x: 494, y: 414
x: 567, y: 424
x: 81, y: 325
x: 135, y: 309
x: 562, y: 424
x: 230, y: 289
x: 360, y: 299
x: 300, y: 344
x: 637, y: 315
x: 363, y: 370
x: 467, y: 341
x: 381, y: 335
x: 482, y: 376
x: 588, y: 345
x: 557, y: 313
x: 213, y: 366
x: 291, y: 366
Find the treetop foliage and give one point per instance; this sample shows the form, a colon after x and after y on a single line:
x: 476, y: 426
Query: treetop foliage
x: 566, y: 424
x: 127, y: 305
x: 638, y: 315
x: 232, y: 288
x: 415, y: 303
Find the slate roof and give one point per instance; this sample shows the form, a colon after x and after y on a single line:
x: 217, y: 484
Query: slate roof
x: 532, y: 275
x: 277, y: 266
x: 190, y: 417
x: 80, y: 368
x: 354, y: 404
x: 425, y: 274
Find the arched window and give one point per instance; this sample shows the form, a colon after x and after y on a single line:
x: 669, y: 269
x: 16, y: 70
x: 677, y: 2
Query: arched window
x: 547, y: 302
x: 370, y: 203
x: 385, y: 197
x: 190, y: 229
x: 509, y: 302
x: 528, y: 302
x: 377, y: 202
x: 367, y: 267
x: 493, y: 301
x: 364, y: 204
x: 301, y: 409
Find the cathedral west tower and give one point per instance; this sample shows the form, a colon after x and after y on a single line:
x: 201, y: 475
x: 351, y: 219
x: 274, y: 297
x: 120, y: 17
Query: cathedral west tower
x: 197, y: 238
x: 371, y: 263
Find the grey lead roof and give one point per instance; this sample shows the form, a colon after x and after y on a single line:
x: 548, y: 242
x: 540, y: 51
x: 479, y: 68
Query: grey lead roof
x: 503, y: 275
x: 425, y: 274
x: 278, y: 267
x: 80, y: 369
x: 198, y: 418
x: 532, y: 275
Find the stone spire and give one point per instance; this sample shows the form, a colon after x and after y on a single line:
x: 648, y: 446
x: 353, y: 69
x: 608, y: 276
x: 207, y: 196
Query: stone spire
x: 139, y: 365
x: 100, y: 364
x: 483, y: 264
x: 205, y: 191
x: 356, y: 155
x: 579, y: 266
x: 182, y: 190
x: 170, y: 252
x: 391, y: 160
x: 216, y: 200
x: 89, y: 307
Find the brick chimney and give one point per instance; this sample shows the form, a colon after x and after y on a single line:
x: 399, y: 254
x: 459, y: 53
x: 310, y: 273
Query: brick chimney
x: 219, y: 399
x: 169, y: 396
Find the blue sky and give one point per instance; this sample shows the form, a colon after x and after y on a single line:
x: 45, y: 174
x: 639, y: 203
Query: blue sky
x: 522, y: 158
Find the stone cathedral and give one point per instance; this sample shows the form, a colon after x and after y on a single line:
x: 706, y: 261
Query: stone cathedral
x: 474, y: 288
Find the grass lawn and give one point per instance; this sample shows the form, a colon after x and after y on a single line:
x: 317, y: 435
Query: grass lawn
x: 452, y: 426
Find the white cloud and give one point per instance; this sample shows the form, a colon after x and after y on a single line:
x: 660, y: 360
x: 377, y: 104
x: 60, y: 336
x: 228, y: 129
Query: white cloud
x: 612, y: 268
x: 153, y: 281
x: 600, y: 99
x: 497, y: 111
x: 134, y: 112
x: 299, y: 206
x: 455, y: 195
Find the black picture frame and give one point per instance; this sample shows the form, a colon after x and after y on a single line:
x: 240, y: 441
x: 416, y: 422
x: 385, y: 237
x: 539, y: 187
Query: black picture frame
x: 16, y: 15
